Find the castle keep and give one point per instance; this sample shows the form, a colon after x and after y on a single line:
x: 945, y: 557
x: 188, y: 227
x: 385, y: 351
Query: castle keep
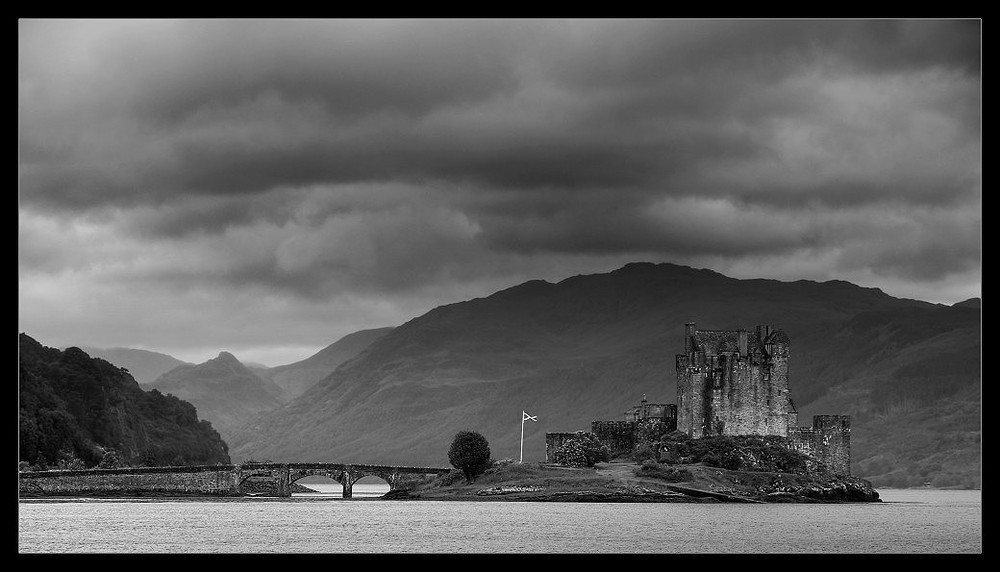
x: 731, y: 382
x: 734, y: 383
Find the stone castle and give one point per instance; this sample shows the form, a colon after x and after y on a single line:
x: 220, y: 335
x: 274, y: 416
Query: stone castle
x: 731, y: 382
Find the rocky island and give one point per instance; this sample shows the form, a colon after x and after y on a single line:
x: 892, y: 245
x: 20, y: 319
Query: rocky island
x: 628, y: 481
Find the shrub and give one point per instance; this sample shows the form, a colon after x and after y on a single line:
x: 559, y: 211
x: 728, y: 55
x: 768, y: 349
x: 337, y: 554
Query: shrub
x: 742, y: 453
x: 667, y: 473
x: 449, y: 478
x: 69, y: 461
x: 111, y: 460
x: 584, y: 450
x: 469, y: 452
x: 643, y: 452
x: 651, y: 431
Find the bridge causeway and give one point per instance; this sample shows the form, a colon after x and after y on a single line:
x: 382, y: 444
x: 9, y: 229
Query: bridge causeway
x: 210, y: 480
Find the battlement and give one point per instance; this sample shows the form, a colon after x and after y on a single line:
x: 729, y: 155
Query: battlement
x: 645, y: 410
x: 834, y: 423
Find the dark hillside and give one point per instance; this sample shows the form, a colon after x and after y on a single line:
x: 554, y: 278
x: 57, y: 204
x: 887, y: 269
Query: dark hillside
x: 74, y: 406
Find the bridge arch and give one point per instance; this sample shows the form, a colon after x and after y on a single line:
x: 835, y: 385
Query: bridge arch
x: 275, y: 477
x: 372, y: 485
x: 322, y: 483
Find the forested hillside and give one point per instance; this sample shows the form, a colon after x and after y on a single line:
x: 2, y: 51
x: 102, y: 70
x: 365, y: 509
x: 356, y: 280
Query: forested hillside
x: 73, y: 409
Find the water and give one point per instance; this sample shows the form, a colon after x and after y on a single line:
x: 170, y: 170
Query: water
x: 907, y: 522
x: 336, y: 490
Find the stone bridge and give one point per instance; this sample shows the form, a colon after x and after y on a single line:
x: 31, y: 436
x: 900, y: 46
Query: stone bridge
x: 283, y: 475
x: 208, y: 480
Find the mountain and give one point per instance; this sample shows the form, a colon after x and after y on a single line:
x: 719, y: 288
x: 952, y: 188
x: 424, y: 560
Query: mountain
x: 587, y: 348
x: 296, y: 378
x: 225, y: 392
x: 976, y: 303
x: 71, y: 404
x: 144, y: 365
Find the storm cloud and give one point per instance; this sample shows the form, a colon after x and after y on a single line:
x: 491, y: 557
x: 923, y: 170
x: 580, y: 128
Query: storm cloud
x: 325, y: 176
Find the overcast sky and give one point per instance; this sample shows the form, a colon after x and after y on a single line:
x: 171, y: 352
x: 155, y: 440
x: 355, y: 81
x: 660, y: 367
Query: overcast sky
x: 266, y: 187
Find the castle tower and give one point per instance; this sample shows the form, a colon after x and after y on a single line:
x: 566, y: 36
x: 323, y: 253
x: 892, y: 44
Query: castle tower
x: 732, y: 382
x: 828, y: 441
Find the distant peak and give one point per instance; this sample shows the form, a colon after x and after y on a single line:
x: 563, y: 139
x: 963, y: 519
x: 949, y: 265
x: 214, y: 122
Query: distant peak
x: 226, y: 356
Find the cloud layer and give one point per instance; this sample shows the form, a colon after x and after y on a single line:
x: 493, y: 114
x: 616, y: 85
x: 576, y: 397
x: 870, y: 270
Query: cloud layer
x: 327, y: 176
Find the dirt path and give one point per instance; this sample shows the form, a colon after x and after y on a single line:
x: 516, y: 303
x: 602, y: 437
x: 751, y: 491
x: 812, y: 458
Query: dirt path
x: 624, y: 474
x: 619, y: 472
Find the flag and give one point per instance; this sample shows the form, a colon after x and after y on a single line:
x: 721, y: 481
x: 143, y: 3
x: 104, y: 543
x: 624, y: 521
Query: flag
x: 526, y: 417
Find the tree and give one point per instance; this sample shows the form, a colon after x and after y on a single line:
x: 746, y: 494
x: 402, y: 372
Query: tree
x: 68, y: 461
x: 469, y: 452
x: 111, y: 460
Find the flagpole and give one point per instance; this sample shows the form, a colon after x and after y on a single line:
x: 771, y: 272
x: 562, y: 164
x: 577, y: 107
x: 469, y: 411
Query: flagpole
x: 522, y: 438
x: 524, y: 417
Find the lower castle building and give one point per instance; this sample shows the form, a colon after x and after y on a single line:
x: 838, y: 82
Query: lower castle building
x: 655, y: 411
x: 732, y: 382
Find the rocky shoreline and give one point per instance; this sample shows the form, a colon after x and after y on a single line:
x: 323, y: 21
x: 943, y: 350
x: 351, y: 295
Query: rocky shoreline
x: 624, y: 482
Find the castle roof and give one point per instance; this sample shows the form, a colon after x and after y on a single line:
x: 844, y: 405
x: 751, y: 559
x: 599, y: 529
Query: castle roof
x: 779, y: 337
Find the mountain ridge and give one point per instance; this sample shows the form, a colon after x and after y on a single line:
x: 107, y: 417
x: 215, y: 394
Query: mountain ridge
x: 144, y: 365
x: 295, y: 378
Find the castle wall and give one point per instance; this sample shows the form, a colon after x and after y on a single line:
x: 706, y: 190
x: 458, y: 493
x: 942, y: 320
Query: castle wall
x: 828, y: 440
x: 756, y: 396
x: 692, y: 397
x: 617, y: 435
x: 663, y: 411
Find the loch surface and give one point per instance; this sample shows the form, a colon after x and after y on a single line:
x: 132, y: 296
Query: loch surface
x: 906, y: 522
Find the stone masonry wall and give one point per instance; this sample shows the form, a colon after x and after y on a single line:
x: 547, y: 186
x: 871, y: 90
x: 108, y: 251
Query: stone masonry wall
x: 751, y: 398
x: 617, y: 435
x: 828, y: 440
